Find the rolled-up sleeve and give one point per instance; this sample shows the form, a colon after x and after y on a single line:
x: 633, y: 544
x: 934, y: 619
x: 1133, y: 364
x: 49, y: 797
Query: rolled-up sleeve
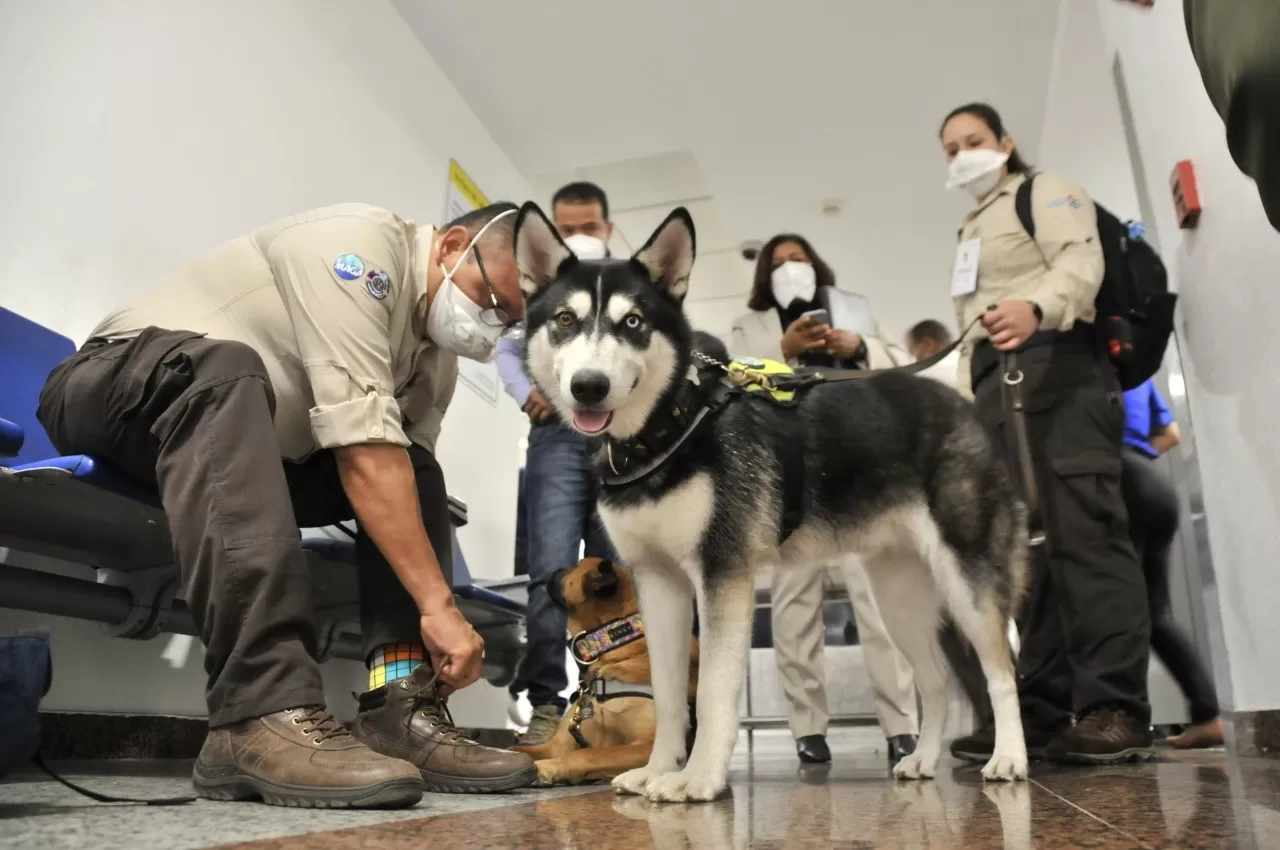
x: 1067, y: 230
x: 342, y: 326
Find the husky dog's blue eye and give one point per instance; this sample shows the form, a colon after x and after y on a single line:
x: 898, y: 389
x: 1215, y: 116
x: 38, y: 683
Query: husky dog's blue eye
x: 632, y: 322
x: 565, y: 318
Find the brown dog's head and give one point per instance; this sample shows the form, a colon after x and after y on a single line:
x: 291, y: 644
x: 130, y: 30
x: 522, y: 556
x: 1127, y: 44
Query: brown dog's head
x: 594, y: 592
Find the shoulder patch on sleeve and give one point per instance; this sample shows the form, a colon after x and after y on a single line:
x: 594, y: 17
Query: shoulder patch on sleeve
x: 1068, y: 200
x: 377, y: 283
x: 349, y: 267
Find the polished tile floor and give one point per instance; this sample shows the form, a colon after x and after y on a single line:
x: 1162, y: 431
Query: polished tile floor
x: 1198, y: 800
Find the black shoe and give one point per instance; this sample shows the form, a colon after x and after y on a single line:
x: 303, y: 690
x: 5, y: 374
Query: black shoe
x: 813, y: 749
x: 1104, y: 736
x: 901, y: 746
x: 979, y: 746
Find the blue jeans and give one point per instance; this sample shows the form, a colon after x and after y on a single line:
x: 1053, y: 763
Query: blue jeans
x: 560, y: 514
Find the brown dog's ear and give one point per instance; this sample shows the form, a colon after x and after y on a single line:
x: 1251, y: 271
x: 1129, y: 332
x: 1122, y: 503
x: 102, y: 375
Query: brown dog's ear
x: 602, y: 581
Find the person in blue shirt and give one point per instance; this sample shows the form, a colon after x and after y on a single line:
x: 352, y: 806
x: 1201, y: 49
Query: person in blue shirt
x: 558, y: 488
x: 1150, y: 431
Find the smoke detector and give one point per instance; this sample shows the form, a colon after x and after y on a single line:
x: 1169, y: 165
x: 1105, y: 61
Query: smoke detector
x: 832, y: 207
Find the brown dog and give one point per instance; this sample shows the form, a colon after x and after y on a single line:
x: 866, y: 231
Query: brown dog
x: 609, y: 728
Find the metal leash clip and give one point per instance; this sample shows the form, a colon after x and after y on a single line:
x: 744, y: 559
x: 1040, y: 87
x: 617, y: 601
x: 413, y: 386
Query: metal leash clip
x: 741, y: 376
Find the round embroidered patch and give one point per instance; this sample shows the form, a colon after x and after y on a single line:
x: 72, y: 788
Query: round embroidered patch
x: 378, y: 283
x: 348, y: 267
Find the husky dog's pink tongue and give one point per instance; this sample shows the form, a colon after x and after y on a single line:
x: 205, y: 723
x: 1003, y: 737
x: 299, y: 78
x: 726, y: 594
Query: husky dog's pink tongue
x: 591, y: 421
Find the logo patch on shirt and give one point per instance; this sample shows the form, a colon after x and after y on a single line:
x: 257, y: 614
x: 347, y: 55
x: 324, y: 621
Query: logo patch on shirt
x: 377, y: 283
x: 1068, y: 200
x: 348, y: 267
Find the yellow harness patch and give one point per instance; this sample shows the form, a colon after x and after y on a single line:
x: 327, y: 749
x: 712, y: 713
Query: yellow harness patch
x: 754, y: 376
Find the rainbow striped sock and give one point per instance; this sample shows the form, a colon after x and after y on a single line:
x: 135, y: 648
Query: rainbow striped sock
x: 393, y: 661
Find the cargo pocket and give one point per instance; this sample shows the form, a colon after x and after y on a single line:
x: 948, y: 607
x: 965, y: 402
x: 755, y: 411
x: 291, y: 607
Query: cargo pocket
x: 155, y: 375
x: 1084, y: 453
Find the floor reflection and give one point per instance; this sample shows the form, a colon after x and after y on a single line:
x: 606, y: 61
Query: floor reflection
x: 1197, y: 800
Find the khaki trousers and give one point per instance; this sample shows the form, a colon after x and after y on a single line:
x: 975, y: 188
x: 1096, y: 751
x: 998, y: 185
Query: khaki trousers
x: 798, y: 642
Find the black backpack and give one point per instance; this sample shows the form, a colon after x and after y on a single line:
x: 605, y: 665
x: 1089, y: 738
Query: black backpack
x: 1134, y: 304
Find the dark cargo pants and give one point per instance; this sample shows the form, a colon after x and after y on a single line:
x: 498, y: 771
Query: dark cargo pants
x: 194, y: 417
x: 1085, y: 632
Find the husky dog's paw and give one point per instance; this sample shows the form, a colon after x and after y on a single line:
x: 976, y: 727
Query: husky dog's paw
x: 633, y: 781
x: 915, y: 766
x: 1006, y: 767
x: 684, y: 786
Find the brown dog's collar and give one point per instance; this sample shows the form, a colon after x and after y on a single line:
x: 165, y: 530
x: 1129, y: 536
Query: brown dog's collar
x: 588, y: 646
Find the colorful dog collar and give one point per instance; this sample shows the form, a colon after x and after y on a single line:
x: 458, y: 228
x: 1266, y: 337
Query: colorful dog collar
x: 588, y: 646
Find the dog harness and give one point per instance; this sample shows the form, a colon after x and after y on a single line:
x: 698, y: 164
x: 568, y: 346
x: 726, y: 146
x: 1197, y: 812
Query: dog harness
x: 587, y: 648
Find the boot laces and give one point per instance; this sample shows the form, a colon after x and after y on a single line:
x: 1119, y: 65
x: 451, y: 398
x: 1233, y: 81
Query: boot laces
x: 428, y: 702
x: 315, y: 719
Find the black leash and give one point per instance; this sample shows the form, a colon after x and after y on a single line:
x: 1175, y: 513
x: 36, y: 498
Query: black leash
x: 805, y: 377
x: 1019, y: 447
x: 107, y: 798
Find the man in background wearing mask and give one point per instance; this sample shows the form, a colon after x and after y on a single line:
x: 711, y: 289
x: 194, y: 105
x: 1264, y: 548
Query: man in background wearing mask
x: 560, y: 495
x: 298, y: 376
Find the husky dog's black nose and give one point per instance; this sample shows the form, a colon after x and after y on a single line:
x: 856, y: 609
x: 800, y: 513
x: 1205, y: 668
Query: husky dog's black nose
x: 589, y: 386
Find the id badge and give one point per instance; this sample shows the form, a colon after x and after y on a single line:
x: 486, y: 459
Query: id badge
x: 964, y: 277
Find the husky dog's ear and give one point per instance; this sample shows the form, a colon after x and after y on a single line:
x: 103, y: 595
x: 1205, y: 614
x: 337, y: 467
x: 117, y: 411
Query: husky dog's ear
x: 539, y: 250
x: 668, y: 255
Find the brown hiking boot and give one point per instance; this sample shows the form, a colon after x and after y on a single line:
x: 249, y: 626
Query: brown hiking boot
x: 1103, y: 736
x: 304, y: 758
x: 408, y: 719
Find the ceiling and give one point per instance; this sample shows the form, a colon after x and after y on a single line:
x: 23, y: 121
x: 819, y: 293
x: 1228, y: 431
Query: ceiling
x: 753, y: 113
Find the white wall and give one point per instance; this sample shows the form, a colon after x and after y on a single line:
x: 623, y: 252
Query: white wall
x: 1082, y: 104
x: 141, y: 132
x: 1224, y: 271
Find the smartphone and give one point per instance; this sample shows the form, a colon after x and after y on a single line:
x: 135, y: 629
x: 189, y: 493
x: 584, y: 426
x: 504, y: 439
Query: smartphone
x: 819, y: 316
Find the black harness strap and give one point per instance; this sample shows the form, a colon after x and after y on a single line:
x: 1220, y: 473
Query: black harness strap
x: 793, y: 478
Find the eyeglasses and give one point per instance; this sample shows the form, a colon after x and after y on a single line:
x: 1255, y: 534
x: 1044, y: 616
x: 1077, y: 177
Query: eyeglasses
x: 494, y: 316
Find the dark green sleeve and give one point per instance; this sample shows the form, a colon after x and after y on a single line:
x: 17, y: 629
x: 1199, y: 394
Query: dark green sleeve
x: 1237, y: 47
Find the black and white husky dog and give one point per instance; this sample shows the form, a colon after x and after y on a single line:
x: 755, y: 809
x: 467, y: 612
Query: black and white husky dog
x: 893, y: 470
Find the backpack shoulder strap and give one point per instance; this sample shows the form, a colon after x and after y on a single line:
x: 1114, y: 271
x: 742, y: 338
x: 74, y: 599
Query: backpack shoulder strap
x: 1022, y: 203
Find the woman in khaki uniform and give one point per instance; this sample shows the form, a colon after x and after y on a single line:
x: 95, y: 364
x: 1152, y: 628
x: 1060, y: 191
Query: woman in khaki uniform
x: 1085, y: 630
x: 788, y: 275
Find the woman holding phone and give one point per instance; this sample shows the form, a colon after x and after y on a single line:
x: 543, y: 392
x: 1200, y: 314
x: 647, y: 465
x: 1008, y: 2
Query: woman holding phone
x: 786, y: 322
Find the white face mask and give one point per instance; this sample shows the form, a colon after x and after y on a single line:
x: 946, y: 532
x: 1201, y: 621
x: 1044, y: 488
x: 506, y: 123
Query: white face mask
x: 794, y: 281
x: 586, y: 247
x: 978, y: 171
x: 453, y: 320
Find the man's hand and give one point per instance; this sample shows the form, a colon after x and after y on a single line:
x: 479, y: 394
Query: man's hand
x: 1010, y: 324
x: 455, y: 650
x: 843, y: 344
x: 537, y: 408
x: 804, y: 335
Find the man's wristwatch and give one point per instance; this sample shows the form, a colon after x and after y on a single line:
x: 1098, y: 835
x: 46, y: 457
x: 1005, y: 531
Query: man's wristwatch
x: 1035, y: 308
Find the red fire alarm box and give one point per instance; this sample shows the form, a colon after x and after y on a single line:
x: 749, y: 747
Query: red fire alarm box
x: 1186, y: 194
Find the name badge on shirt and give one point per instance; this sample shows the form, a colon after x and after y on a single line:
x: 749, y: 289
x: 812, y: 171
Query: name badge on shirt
x: 964, y: 278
